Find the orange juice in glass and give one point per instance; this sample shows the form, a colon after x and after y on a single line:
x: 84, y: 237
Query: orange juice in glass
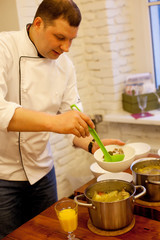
x: 67, y: 213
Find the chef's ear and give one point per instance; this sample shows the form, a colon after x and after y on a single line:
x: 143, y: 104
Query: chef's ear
x: 38, y: 22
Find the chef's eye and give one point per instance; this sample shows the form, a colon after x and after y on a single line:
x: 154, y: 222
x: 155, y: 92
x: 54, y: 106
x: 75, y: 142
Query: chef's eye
x: 61, y: 38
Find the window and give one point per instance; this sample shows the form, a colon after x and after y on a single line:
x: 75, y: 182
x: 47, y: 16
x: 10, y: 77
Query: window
x: 154, y: 13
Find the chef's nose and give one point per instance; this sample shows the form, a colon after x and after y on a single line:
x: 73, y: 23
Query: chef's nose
x: 66, y: 45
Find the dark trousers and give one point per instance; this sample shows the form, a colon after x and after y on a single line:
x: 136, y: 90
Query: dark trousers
x: 20, y: 201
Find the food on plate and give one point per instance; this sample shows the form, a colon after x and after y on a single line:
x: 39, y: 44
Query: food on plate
x: 112, y: 196
x: 116, y: 151
x: 152, y: 169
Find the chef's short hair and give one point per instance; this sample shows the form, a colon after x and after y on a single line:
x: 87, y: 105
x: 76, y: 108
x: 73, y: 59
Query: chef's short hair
x: 50, y: 10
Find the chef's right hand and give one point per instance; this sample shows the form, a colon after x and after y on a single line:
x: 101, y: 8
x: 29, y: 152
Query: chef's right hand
x: 73, y: 122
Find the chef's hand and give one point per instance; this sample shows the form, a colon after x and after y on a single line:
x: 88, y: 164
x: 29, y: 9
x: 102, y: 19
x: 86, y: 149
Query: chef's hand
x: 107, y: 142
x: 73, y: 122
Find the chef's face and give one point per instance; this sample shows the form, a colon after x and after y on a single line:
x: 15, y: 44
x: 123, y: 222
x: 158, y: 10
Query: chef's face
x: 52, y: 40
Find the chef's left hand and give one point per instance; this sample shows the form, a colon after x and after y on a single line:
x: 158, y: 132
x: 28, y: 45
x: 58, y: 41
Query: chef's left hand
x: 107, y: 142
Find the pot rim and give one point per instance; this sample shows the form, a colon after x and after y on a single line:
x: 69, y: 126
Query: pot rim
x: 110, y: 180
x: 140, y: 161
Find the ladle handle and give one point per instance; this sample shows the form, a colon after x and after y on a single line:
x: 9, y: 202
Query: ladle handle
x: 97, y: 139
x: 95, y: 136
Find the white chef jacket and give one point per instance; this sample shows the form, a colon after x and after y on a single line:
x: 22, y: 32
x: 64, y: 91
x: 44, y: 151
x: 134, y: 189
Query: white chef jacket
x: 40, y: 84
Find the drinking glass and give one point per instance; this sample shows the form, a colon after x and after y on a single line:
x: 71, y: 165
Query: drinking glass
x: 142, y: 103
x: 158, y: 97
x: 67, y: 213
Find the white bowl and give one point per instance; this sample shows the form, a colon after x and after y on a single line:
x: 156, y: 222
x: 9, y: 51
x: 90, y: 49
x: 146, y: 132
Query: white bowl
x: 120, y: 176
x: 141, y: 149
x: 159, y: 152
x: 129, y: 153
x: 97, y: 170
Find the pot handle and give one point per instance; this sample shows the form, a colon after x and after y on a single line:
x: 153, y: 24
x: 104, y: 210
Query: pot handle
x: 83, y: 204
x: 153, y: 182
x: 142, y: 193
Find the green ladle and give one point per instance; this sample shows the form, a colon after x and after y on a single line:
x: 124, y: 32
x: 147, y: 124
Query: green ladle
x: 107, y: 156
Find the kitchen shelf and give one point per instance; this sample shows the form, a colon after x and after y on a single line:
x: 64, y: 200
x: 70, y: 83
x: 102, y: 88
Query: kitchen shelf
x: 125, y: 117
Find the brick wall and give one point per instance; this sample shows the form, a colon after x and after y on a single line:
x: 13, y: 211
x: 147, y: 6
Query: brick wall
x: 106, y: 38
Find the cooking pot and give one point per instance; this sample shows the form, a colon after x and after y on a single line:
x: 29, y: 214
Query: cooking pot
x: 150, y: 181
x: 110, y: 215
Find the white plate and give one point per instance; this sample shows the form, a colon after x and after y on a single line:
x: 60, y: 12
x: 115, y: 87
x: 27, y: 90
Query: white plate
x: 141, y: 149
x: 120, y: 176
x: 159, y: 152
x: 97, y: 170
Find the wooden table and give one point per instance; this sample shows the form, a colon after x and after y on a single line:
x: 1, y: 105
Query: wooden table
x: 45, y: 226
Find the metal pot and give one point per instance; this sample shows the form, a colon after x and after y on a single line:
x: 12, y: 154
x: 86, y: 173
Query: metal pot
x: 110, y: 215
x: 150, y: 181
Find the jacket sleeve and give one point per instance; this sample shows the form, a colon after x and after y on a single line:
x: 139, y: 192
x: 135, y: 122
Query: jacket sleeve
x: 7, y: 108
